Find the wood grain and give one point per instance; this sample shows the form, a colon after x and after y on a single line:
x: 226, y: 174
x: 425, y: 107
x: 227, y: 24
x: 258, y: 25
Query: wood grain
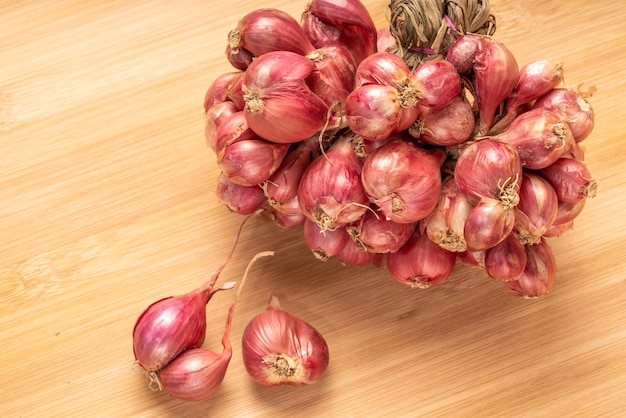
x: 107, y: 204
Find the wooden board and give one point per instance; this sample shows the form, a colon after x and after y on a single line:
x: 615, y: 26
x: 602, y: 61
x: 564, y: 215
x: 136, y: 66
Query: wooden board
x: 107, y: 204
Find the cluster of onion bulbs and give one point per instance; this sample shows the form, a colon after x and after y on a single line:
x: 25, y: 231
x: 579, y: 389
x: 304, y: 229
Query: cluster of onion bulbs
x: 467, y: 158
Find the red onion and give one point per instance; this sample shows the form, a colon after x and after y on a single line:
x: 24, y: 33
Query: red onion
x: 420, y: 262
x: 495, y: 76
x: 346, y: 23
x: 197, y: 373
x: 376, y: 234
x: 535, y: 79
x: 445, y: 224
x: 262, y: 31
x: 324, y: 244
x: 280, y: 107
x: 507, y: 260
x: 539, y: 273
x: 239, y: 199
x: 540, y: 137
x: 244, y: 157
x: 488, y: 224
x: 447, y: 126
x: 330, y: 191
x: 487, y: 168
x: 403, y: 180
x: 571, y: 179
x: 279, y: 348
x: 573, y: 105
x: 174, y: 324
x: 536, y: 210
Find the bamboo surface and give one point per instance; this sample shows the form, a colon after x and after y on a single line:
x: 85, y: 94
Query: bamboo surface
x: 107, y: 204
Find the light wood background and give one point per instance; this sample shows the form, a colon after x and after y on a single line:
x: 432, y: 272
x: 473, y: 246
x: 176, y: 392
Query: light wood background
x: 107, y: 204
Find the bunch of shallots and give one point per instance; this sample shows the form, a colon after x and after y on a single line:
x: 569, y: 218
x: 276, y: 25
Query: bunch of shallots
x: 467, y: 157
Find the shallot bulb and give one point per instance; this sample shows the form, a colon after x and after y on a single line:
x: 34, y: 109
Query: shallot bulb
x: 420, y: 262
x: 244, y: 157
x: 376, y: 234
x: 536, y: 210
x: 279, y: 105
x: 330, y: 190
x: 540, y: 137
x: 487, y: 168
x: 574, y: 107
x: 447, y: 126
x: 240, y: 199
x: 346, y: 23
x: 403, y: 180
x: 507, y: 260
x: 214, y: 117
x: 571, y: 180
x: 495, y: 76
x: 535, y: 79
x: 262, y: 31
x: 324, y: 244
x: 174, y: 324
x: 354, y: 255
x: 219, y: 90
x: 462, y: 52
x: 278, y: 348
x: 538, y: 276
x: 197, y: 373
x: 437, y: 83
x: 446, y: 223
x: 385, y: 40
x: 487, y: 224
x: 333, y: 77
x: 281, y: 188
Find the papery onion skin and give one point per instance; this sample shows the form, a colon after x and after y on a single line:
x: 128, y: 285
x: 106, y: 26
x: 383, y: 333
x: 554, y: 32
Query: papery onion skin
x: 218, y: 91
x: 382, y: 68
x: 333, y: 77
x: 279, y: 106
x: 487, y: 168
x: 462, y: 53
x: 240, y: 199
x: 374, y: 111
x: 507, y: 260
x: 330, y: 190
x: 539, y: 274
x: 403, y: 180
x: 487, y: 225
x: 571, y: 180
x: 420, y: 262
x: 278, y: 348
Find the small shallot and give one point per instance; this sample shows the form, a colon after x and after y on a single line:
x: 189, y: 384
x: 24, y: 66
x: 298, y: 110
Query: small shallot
x: 574, y: 106
x: 538, y: 276
x: 420, y: 262
x: 447, y: 126
x: 376, y: 234
x: 403, y: 180
x: 279, y: 348
x: 239, y: 199
x: 324, y: 244
x: 537, y: 208
x: 571, y: 179
x: 507, y: 260
x: 487, y: 224
x: 197, y: 373
x: 330, y: 191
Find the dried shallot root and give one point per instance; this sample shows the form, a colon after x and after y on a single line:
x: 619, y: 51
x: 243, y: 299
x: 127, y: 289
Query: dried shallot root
x: 414, y: 147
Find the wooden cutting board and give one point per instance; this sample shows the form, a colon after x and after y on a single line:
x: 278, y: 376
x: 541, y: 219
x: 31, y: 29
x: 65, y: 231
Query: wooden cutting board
x: 107, y: 204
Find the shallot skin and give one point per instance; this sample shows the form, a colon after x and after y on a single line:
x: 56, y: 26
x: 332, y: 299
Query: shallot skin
x: 279, y: 348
